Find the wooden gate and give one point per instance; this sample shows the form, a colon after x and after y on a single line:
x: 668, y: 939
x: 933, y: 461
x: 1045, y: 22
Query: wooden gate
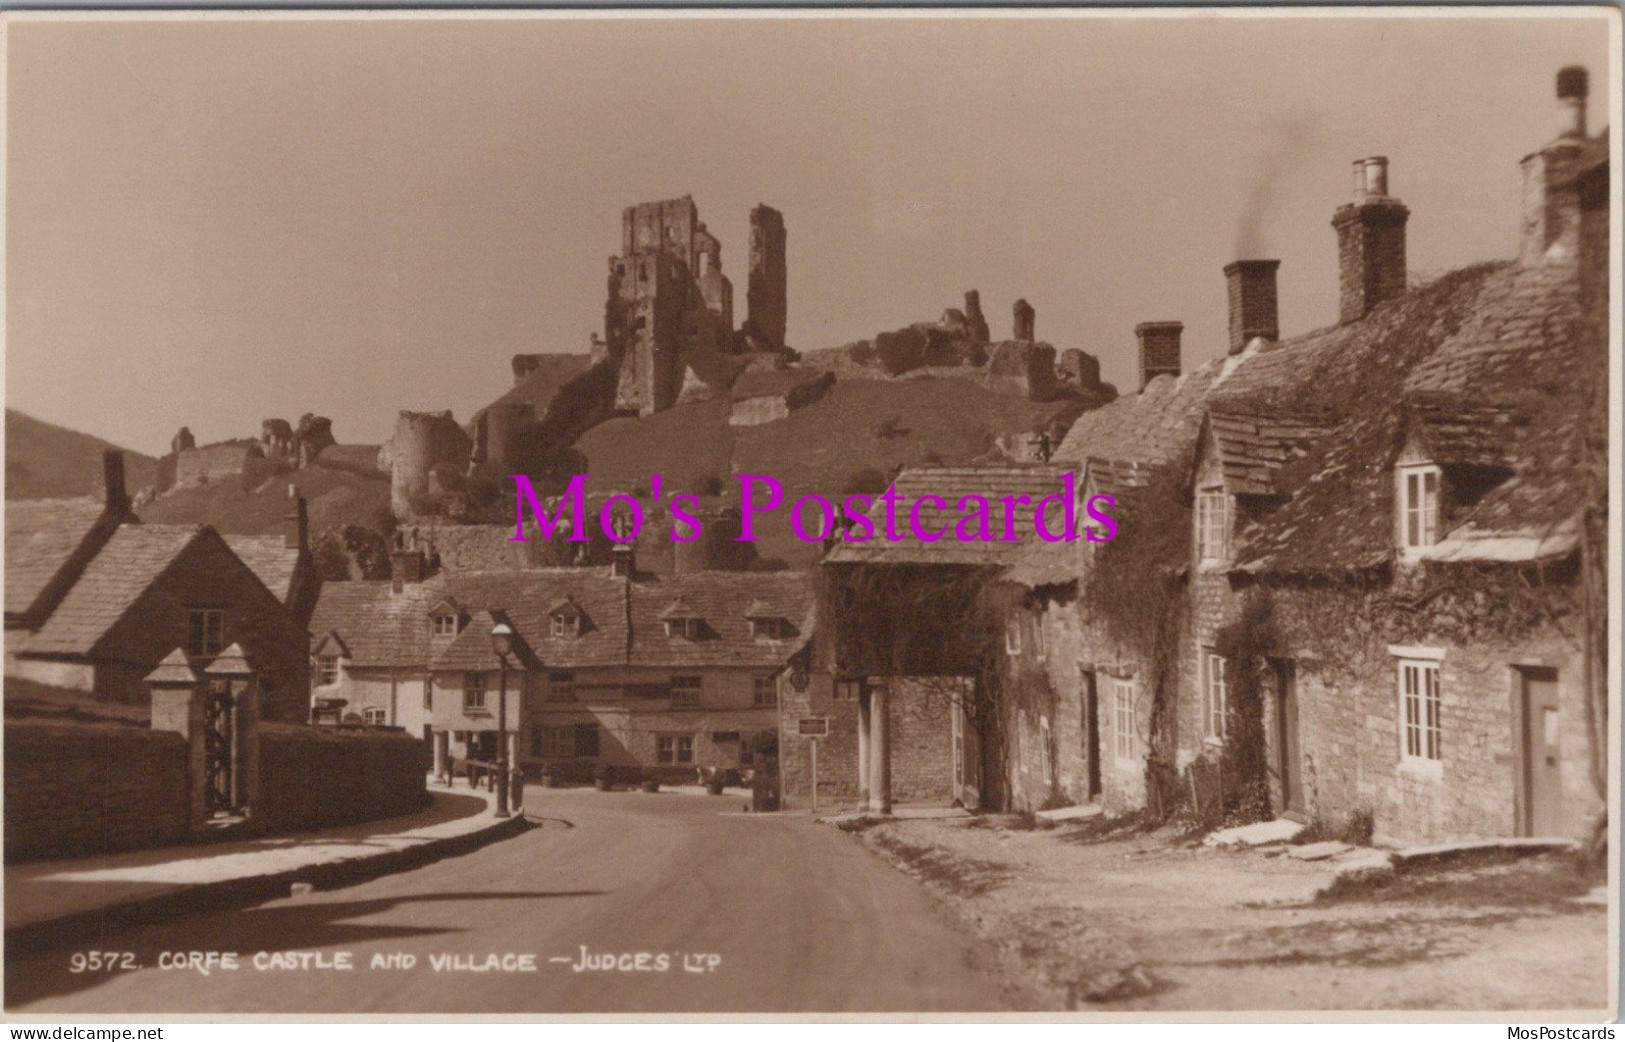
x: 219, y: 737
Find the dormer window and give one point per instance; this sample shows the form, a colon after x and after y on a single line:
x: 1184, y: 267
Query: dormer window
x: 1418, y: 505
x: 565, y: 619
x: 682, y: 621
x: 566, y: 626
x: 768, y: 628
x: 445, y: 625
x: 1212, y: 526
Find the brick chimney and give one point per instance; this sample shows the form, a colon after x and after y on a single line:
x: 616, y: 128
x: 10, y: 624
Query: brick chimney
x: 1253, y: 310
x: 1370, y: 242
x: 116, y: 496
x: 296, y: 523
x: 405, y: 569
x: 1551, y: 206
x: 1159, y: 349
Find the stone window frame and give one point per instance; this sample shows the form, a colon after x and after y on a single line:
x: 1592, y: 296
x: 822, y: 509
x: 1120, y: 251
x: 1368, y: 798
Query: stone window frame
x: 671, y: 750
x: 561, y: 686
x: 204, y: 640
x: 686, y: 690
x: 327, y: 670
x: 758, y: 683
x: 1212, y: 516
x: 1125, y: 733
x: 1213, y: 682
x: 1419, y: 695
x: 1425, y: 514
x: 474, y: 692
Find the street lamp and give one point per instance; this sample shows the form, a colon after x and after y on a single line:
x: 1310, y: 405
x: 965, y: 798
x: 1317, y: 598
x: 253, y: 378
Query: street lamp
x: 502, y: 644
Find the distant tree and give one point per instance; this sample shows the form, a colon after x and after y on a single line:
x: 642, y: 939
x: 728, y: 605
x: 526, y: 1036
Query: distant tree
x: 351, y: 552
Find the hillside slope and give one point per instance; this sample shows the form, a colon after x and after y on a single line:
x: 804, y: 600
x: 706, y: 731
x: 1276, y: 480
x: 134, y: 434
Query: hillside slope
x: 44, y: 461
x: 857, y: 425
x: 342, y: 487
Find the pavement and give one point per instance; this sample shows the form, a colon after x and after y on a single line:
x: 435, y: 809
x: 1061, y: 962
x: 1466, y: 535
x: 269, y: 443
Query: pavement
x: 54, y: 902
x: 609, y: 902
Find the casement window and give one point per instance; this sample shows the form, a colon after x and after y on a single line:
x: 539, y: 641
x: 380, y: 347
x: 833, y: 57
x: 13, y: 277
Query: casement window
x: 764, y: 691
x: 473, y: 690
x: 1418, y: 506
x: 445, y: 625
x: 375, y: 716
x: 553, y: 743
x: 1124, y: 735
x: 586, y: 741
x: 1212, y: 525
x: 676, y: 749
x: 566, y: 627
x: 206, y: 632
x: 1214, y: 694
x: 687, y: 628
x: 1012, y: 637
x: 327, y: 670
x: 561, y: 687
x: 769, y: 628
x: 1419, y: 705
x: 685, y: 691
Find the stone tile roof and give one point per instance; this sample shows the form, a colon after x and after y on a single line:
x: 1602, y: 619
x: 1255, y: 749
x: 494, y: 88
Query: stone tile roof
x: 1482, y: 361
x: 40, y: 536
x: 1252, y: 448
x: 1150, y: 427
x: 724, y: 601
x: 1114, y: 477
x: 952, y: 485
x: 120, y: 573
x: 270, y: 558
x: 621, y: 622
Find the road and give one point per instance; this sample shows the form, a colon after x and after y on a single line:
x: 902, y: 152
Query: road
x: 754, y: 913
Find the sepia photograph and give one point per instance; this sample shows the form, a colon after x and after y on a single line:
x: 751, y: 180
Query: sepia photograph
x: 823, y: 514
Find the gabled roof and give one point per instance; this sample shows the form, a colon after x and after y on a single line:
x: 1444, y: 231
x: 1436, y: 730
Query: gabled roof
x: 1113, y: 477
x: 952, y: 485
x: 121, y: 572
x: 1452, y: 432
x: 1153, y: 426
x: 680, y: 609
x: 41, y: 534
x: 1252, y: 448
x: 270, y: 558
x: 565, y: 606
x: 379, y: 626
x: 333, y: 640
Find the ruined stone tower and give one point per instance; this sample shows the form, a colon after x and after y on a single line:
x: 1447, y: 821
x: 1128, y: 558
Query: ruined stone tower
x: 767, y: 293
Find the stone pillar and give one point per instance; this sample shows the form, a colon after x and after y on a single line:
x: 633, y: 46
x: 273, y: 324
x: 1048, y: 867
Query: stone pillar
x: 245, y: 736
x: 1025, y: 319
x: 863, y: 748
x: 516, y: 774
x: 442, y: 757
x: 879, y: 750
x: 178, y: 705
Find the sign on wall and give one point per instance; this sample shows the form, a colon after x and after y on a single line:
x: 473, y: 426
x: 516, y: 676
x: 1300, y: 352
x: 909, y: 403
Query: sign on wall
x: 813, y: 726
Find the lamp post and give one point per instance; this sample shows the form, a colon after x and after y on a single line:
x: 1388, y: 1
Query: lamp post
x: 502, y: 644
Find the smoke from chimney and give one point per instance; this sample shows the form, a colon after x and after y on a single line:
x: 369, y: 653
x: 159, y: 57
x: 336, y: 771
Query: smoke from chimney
x: 1292, y: 141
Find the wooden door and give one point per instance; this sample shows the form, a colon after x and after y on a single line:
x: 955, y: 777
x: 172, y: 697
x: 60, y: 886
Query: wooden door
x: 1289, y: 753
x: 1091, y: 732
x: 1542, y: 755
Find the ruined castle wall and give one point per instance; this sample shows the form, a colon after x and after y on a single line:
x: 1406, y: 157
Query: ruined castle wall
x: 767, y: 293
x: 423, y: 441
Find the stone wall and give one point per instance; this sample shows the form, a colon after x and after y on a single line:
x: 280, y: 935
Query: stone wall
x: 78, y: 789
x: 242, y: 462
x: 316, y: 777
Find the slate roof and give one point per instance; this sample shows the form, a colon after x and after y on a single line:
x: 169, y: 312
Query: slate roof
x: 40, y: 536
x: 952, y: 485
x: 120, y: 573
x: 621, y: 619
x: 270, y: 558
x: 1111, y: 477
x: 1150, y: 427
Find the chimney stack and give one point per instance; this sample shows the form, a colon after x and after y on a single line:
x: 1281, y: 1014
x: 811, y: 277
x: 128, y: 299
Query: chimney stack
x: 296, y: 525
x: 1370, y: 242
x: 1573, y: 87
x: 405, y: 569
x: 1253, y: 307
x: 1551, y: 207
x: 1159, y: 349
x: 117, y: 497
x: 621, y: 561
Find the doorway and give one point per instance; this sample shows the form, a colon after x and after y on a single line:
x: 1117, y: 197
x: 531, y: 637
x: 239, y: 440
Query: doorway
x: 1288, y: 752
x: 1541, y: 753
x: 1091, y: 732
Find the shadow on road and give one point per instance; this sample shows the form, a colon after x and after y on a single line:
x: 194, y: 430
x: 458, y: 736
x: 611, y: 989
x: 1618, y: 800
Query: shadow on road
x: 283, y: 927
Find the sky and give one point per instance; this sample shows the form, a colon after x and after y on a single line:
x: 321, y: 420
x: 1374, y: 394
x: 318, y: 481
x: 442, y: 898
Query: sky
x: 214, y: 222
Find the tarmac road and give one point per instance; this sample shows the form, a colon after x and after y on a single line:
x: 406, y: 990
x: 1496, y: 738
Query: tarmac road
x: 752, y: 913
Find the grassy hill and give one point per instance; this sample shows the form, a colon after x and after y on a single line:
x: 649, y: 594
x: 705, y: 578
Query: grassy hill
x: 44, y: 461
x: 342, y: 487
x: 859, y: 424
